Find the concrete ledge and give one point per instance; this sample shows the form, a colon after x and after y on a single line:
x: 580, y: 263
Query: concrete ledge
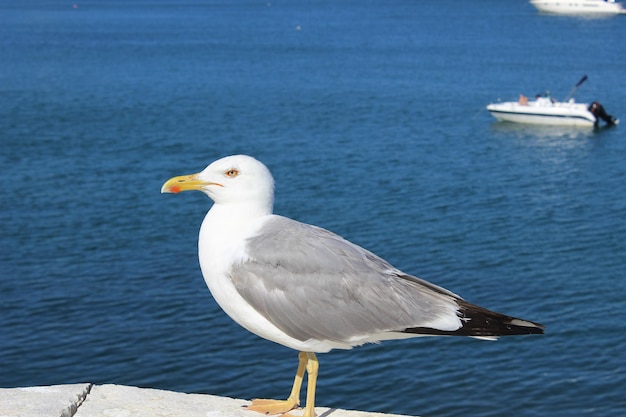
x: 52, y: 401
x: 88, y: 400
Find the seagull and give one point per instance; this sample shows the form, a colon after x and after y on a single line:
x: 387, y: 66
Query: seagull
x: 309, y: 289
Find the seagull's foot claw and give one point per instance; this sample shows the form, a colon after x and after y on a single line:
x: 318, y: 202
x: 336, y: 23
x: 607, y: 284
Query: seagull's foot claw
x: 272, y: 406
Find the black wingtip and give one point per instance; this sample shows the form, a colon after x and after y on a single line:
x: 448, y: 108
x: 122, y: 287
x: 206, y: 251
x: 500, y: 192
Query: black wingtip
x: 481, y: 322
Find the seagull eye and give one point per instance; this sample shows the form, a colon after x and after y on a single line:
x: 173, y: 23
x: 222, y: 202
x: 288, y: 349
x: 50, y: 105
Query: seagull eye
x: 231, y: 173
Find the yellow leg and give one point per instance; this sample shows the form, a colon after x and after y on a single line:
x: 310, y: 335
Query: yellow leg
x: 283, y: 406
x: 311, y: 368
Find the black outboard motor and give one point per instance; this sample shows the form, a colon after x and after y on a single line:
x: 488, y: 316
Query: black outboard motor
x: 598, y: 111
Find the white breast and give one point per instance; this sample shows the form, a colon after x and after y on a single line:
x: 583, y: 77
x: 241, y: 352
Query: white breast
x: 220, y: 245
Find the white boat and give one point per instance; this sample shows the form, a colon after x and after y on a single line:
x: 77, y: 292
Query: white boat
x: 544, y: 111
x: 541, y: 112
x: 548, y: 111
x: 579, y: 7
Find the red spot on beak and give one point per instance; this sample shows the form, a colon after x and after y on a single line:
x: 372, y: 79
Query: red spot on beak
x: 175, y: 189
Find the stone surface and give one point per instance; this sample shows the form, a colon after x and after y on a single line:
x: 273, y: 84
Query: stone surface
x: 125, y: 401
x: 50, y: 401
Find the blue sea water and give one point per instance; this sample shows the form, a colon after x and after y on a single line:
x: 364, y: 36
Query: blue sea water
x: 371, y: 116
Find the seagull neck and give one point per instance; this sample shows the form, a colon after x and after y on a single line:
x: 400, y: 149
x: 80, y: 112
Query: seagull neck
x: 238, y: 214
x: 222, y: 230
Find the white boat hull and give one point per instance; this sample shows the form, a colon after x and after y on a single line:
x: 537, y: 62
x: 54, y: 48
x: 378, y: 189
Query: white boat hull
x: 579, y: 7
x: 560, y: 114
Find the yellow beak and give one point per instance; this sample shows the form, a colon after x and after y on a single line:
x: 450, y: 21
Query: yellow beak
x: 183, y: 183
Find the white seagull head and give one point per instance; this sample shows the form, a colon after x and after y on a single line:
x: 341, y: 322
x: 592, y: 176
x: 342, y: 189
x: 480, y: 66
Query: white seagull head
x: 231, y: 181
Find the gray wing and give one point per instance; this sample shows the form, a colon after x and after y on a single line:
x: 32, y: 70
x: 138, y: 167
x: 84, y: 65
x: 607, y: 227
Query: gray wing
x: 313, y: 284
